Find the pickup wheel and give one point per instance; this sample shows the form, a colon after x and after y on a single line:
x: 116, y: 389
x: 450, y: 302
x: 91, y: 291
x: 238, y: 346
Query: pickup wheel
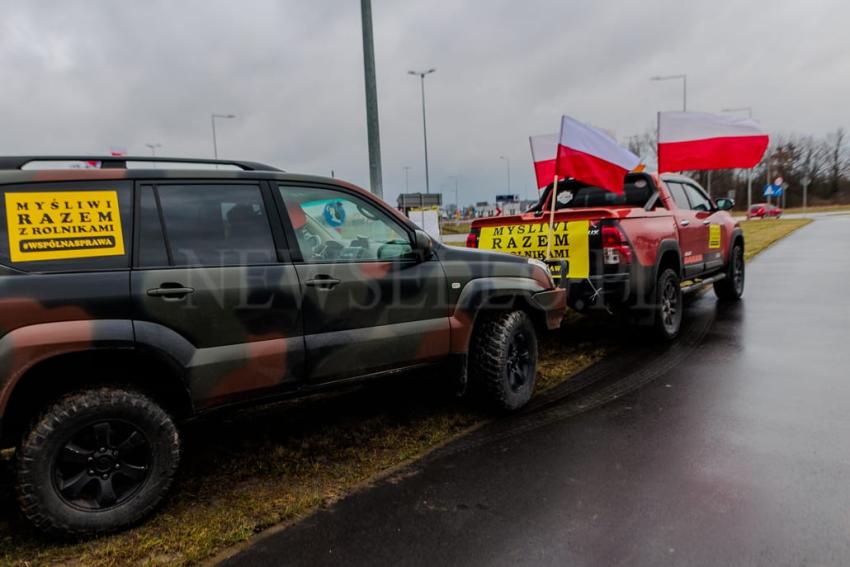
x: 731, y: 288
x: 668, y: 305
x: 95, y: 462
x: 503, y: 360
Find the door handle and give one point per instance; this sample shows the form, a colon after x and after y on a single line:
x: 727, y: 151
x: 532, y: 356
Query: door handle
x: 323, y: 281
x: 170, y: 291
x: 706, y: 221
x: 685, y: 222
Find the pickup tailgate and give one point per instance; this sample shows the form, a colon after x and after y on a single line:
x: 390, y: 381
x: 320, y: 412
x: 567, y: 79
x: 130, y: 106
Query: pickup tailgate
x: 576, y: 237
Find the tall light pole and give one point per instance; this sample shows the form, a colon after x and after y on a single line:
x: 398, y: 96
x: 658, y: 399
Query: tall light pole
x: 406, y: 169
x: 153, y: 148
x: 749, y: 111
x: 421, y: 75
x: 684, y: 79
x: 372, y: 127
x: 508, y: 164
x: 212, y: 120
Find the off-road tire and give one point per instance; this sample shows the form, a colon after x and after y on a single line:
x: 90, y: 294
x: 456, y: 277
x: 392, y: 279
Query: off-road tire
x: 55, y: 442
x: 503, y: 360
x: 668, y: 305
x: 731, y: 288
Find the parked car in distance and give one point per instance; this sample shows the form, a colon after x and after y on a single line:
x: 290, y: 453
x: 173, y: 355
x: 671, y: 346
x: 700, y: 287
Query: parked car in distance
x: 764, y: 211
x: 132, y: 299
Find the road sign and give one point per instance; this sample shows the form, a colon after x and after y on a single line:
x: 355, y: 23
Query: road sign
x: 773, y: 190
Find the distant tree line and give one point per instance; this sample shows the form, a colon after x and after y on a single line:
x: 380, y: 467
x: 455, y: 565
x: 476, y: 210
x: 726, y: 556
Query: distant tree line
x: 824, y: 161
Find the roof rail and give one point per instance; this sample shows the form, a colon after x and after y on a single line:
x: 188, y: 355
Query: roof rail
x: 120, y: 162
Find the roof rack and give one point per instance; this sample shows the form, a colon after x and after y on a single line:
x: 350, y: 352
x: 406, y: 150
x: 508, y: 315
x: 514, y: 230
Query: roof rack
x: 120, y: 162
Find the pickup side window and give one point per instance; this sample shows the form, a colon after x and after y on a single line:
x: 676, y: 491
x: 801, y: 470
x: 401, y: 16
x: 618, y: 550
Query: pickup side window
x: 699, y: 200
x: 678, y: 193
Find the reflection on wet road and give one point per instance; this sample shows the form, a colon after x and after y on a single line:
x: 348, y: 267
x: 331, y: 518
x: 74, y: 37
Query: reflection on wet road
x: 729, y: 447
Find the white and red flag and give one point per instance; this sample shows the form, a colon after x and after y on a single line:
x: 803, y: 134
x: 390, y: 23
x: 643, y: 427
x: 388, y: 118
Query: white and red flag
x: 592, y: 156
x: 699, y: 140
x: 544, y: 150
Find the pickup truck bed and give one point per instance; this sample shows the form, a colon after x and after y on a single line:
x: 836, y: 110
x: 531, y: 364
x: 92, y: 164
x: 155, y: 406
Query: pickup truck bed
x: 619, y: 246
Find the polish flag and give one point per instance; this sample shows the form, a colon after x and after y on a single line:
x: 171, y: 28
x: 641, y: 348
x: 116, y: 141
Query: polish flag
x: 544, y: 149
x: 698, y: 140
x: 592, y: 156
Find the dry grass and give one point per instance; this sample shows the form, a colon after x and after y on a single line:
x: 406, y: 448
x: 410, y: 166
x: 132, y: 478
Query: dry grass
x: 455, y: 227
x: 249, y: 471
x: 819, y: 209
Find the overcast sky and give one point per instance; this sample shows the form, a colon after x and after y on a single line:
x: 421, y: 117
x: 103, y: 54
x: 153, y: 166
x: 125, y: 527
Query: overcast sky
x: 82, y: 77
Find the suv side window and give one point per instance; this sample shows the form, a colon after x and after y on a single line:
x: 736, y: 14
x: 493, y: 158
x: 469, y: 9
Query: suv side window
x: 214, y: 225
x: 678, y: 194
x: 699, y: 200
x: 337, y: 226
x: 152, y: 249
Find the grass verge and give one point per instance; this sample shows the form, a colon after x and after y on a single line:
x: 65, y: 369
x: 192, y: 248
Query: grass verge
x: 246, y: 472
x: 455, y: 227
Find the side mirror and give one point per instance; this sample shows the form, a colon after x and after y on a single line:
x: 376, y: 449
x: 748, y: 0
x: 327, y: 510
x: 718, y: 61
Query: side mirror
x: 422, y: 243
x: 725, y: 204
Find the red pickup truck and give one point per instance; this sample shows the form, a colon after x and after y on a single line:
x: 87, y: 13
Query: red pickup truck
x: 638, y: 251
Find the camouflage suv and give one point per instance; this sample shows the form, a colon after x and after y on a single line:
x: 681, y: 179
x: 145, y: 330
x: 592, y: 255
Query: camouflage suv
x: 137, y: 293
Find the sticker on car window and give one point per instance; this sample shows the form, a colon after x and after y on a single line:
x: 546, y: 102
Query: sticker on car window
x: 565, y: 197
x: 63, y: 225
x: 714, y: 236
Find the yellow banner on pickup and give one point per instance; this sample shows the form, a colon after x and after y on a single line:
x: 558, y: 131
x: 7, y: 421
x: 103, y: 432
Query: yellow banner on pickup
x: 532, y: 240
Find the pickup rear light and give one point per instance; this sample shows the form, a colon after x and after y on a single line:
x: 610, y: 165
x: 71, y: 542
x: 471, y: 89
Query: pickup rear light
x: 472, y: 238
x: 615, y: 248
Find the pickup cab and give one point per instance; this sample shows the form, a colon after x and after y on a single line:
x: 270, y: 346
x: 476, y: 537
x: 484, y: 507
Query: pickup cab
x: 638, y: 251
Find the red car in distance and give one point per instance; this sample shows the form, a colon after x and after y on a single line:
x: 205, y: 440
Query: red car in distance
x: 764, y: 211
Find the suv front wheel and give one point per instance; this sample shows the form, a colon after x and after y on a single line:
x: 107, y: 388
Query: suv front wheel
x: 503, y: 360
x: 96, y: 461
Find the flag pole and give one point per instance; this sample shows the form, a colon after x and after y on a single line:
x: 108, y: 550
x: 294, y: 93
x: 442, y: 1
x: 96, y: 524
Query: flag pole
x: 552, y: 217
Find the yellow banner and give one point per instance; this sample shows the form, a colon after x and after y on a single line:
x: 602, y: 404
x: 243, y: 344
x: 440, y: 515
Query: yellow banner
x: 531, y: 241
x: 714, y: 236
x: 62, y: 225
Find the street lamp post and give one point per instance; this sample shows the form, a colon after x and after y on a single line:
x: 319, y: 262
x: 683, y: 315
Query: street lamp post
x: 153, y: 148
x: 406, y: 169
x: 421, y: 75
x: 212, y: 121
x: 508, y: 164
x: 372, y: 127
x: 684, y: 79
x: 749, y: 111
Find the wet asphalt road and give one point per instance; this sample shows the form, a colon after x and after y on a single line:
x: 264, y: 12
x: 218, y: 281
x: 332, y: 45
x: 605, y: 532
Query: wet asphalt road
x: 729, y: 447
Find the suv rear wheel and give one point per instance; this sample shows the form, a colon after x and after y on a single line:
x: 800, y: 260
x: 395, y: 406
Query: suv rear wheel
x: 503, y: 360
x: 96, y: 461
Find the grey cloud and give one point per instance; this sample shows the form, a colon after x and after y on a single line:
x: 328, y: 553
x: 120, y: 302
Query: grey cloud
x: 83, y: 76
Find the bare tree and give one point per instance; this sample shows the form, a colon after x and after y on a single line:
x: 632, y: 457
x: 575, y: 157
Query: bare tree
x: 837, y: 160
